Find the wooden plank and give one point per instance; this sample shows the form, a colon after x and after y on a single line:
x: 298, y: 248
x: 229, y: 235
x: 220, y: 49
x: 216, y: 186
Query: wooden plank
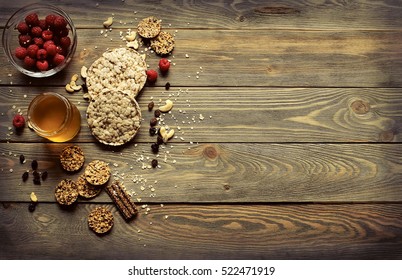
x: 256, y: 58
x: 312, y: 14
x: 223, y: 172
x: 264, y: 115
x: 356, y: 231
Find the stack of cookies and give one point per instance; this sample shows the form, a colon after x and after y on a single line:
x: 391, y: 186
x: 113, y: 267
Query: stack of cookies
x: 162, y: 42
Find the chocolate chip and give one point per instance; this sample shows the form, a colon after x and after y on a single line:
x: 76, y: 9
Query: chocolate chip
x: 22, y: 159
x: 25, y: 176
x: 34, y: 164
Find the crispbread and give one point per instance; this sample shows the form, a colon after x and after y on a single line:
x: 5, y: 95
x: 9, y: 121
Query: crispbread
x: 72, y: 158
x: 114, y: 117
x: 66, y: 192
x: 149, y: 27
x: 85, y: 189
x: 122, y: 69
x: 97, y: 172
x: 100, y: 220
x: 163, y: 43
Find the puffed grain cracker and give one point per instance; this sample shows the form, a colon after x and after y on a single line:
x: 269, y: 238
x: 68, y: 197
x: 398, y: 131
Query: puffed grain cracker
x: 100, y: 220
x: 97, y: 172
x: 66, y: 192
x: 72, y: 158
x: 121, y: 69
x: 114, y: 117
x: 163, y: 43
x: 85, y: 189
x: 149, y: 27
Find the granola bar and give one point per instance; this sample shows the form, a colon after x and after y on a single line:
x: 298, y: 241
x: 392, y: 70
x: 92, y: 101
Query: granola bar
x: 122, y: 200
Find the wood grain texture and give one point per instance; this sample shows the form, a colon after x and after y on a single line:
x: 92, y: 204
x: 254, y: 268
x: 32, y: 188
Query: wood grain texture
x: 245, y: 14
x: 177, y: 231
x: 249, y: 57
x: 246, y: 115
x: 224, y: 172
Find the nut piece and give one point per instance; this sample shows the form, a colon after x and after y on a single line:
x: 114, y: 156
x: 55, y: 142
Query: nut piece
x: 74, y: 78
x: 168, y: 135
x: 84, y: 70
x: 133, y: 44
x: 108, y: 22
x: 33, y: 197
x: 131, y: 36
x: 69, y: 88
x: 167, y: 107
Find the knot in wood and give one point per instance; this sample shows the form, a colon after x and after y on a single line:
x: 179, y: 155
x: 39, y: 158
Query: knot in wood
x: 386, y: 136
x: 360, y: 107
x: 210, y: 152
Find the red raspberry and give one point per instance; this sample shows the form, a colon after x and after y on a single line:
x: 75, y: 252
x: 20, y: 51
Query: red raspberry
x: 47, y: 35
x: 29, y: 62
x: 64, y: 32
x: 60, y: 50
x: 32, y: 19
x: 21, y: 52
x: 58, y: 59
x: 65, y: 42
x: 152, y: 75
x: 38, y: 41
x: 59, y: 23
x: 42, y: 65
x: 47, y: 43
x: 23, y: 27
x: 41, y: 54
x: 25, y: 40
x: 50, y: 20
x: 18, y: 121
x: 36, y: 31
x: 51, y: 49
x: 164, y: 64
x: 32, y: 50
x: 43, y: 24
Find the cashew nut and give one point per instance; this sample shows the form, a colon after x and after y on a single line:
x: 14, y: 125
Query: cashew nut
x: 74, y: 86
x: 133, y: 44
x: 33, y: 197
x: 108, y: 22
x: 168, y: 135
x: 74, y: 78
x: 167, y: 107
x: 131, y: 36
x: 69, y: 88
x: 84, y: 72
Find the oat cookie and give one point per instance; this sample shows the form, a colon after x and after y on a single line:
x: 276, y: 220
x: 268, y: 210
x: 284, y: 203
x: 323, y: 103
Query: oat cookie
x: 149, y: 27
x: 66, y: 192
x: 72, y: 158
x: 163, y: 43
x: 100, y: 220
x: 119, y: 69
x: 85, y: 189
x: 97, y: 172
x: 114, y: 117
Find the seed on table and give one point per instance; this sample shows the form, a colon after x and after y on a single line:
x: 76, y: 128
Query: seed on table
x: 34, y: 164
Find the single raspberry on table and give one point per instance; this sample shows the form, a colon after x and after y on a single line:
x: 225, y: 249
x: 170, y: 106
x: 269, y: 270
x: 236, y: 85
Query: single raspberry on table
x: 18, y: 121
x: 32, y: 50
x: 152, y: 75
x: 32, y: 19
x: 164, y: 65
x: 58, y: 59
x: 42, y: 65
x: 21, y: 52
x: 23, y: 27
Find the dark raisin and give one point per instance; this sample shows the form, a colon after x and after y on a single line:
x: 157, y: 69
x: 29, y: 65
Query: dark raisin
x: 167, y: 86
x: 154, y: 163
x: 34, y: 164
x: 22, y: 159
x: 25, y: 176
x: 32, y: 207
x: 151, y: 105
x: 153, y: 121
x: 44, y: 175
x: 159, y: 140
x: 155, y: 148
x: 157, y: 113
x: 153, y: 131
x: 36, y: 179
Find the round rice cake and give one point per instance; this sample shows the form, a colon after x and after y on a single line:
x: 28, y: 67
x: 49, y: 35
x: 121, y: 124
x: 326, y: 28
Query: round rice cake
x: 149, y: 27
x: 119, y: 69
x: 163, y: 43
x: 114, y: 117
x: 100, y: 220
x: 97, y: 173
x: 66, y: 192
x: 72, y: 158
x: 85, y: 189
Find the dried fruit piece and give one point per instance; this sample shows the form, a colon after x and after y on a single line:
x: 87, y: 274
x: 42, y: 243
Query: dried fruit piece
x: 34, y: 164
x: 25, y: 176
x: 22, y: 159
x: 154, y: 163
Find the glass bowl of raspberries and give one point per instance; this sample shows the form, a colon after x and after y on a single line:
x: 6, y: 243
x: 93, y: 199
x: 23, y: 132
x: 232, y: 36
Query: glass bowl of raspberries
x: 39, y: 40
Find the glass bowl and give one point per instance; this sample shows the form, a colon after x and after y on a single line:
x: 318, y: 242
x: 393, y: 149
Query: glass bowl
x: 11, y: 40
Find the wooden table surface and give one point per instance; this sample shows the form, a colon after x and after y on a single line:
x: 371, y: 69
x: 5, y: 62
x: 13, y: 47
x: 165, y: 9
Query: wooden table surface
x: 288, y: 118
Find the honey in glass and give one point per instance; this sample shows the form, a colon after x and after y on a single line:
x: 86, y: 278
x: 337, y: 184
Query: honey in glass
x: 54, y: 117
